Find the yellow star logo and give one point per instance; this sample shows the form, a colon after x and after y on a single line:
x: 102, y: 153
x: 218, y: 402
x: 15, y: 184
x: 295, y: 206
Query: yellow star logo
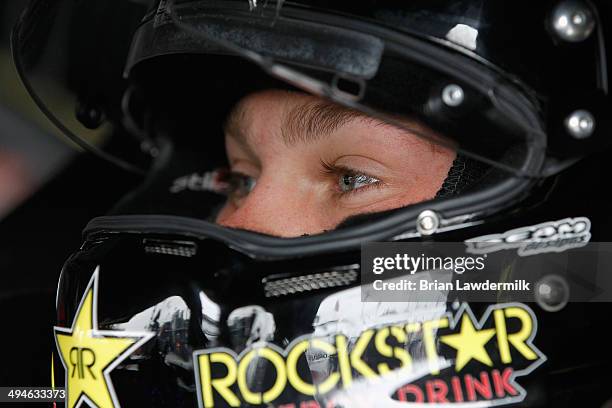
x: 469, y: 343
x: 89, y: 354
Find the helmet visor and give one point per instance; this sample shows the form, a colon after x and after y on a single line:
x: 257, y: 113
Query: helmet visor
x: 401, y: 81
x: 399, y: 78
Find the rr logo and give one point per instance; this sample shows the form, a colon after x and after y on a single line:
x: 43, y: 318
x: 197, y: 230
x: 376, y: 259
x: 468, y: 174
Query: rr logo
x: 82, y: 358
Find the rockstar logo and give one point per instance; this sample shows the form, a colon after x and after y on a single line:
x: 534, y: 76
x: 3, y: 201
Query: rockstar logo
x: 469, y: 343
x: 89, y: 354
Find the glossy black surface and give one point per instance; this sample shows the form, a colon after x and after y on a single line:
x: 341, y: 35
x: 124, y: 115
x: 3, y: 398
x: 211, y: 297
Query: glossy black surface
x: 215, y: 302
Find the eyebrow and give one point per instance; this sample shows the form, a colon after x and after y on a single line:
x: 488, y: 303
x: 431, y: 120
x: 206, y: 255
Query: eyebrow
x: 306, y: 122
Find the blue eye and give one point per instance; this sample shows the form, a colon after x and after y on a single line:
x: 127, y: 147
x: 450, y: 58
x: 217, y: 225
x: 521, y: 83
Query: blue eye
x: 241, y: 185
x: 352, y: 182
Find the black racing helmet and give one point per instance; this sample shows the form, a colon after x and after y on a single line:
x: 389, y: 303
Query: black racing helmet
x: 516, y: 105
x: 163, y: 307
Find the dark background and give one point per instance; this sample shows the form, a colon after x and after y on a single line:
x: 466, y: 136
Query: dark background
x: 49, y: 190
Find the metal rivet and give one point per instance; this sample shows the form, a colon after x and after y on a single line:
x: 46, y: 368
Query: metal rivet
x: 428, y: 222
x: 453, y: 95
x: 552, y: 293
x: 580, y: 124
x: 573, y: 20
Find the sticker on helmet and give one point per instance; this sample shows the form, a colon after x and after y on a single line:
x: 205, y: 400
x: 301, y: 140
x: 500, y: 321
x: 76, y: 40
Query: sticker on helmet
x: 212, y: 181
x: 455, y: 358
x: 553, y: 236
x: 89, y: 354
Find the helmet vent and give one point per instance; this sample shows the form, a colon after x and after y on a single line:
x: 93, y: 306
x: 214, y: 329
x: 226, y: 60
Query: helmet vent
x: 186, y: 249
x: 307, y: 283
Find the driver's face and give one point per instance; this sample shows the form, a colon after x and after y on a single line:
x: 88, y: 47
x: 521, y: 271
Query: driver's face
x: 307, y: 165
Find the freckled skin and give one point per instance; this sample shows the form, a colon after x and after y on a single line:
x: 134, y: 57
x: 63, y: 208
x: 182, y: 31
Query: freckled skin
x: 294, y: 196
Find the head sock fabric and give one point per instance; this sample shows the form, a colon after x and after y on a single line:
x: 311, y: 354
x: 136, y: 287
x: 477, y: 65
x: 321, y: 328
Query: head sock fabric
x: 464, y: 173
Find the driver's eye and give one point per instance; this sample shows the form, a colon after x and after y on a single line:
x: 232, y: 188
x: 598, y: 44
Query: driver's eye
x: 240, y: 185
x: 350, y: 181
